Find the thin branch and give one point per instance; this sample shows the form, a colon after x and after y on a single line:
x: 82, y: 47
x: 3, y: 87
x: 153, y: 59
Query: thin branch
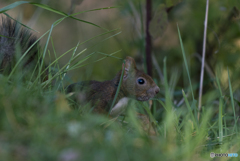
x: 203, y: 59
x: 148, y: 40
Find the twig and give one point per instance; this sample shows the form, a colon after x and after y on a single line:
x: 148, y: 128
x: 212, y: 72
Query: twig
x: 148, y: 40
x: 203, y: 59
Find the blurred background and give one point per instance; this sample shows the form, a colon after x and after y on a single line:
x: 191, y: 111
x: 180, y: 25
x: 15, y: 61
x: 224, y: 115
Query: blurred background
x: 223, y: 37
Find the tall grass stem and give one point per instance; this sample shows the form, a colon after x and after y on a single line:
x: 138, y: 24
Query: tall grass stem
x: 231, y: 95
x: 203, y: 59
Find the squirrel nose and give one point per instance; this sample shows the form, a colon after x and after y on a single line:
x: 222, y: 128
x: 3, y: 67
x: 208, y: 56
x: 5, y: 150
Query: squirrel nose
x: 157, y: 89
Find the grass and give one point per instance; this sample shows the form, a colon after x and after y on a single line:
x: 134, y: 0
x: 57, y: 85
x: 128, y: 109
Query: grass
x: 37, y: 122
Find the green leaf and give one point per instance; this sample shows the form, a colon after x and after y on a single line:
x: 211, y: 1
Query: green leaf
x: 185, y: 61
x: 7, y: 37
x: 167, y: 93
x: 46, y: 7
x: 118, y: 89
x: 97, y: 9
x: 231, y: 94
x: 220, y: 122
x: 190, y: 109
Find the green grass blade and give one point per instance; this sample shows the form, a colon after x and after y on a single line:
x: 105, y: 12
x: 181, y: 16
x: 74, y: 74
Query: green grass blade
x: 98, y: 43
x: 45, y: 49
x: 21, y: 58
x: 231, y: 95
x: 13, y: 5
x: 193, y: 106
x: 167, y: 92
x: 6, y: 37
x: 56, y: 66
x: 68, y: 65
x: 107, y: 55
x: 146, y: 108
x: 171, y: 119
x: 97, y: 9
x: 110, y: 55
x: 220, y: 120
x: 219, y: 87
x: 189, y: 109
x: 46, y: 7
x: 185, y: 61
x: 118, y: 89
x: 90, y: 23
x: 74, y: 66
x: 63, y: 70
x: 20, y: 23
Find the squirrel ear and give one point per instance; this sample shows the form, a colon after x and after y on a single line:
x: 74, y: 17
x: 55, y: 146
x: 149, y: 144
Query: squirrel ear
x: 130, y: 66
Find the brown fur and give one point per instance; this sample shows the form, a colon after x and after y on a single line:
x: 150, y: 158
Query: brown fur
x: 13, y: 36
x: 101, y: 94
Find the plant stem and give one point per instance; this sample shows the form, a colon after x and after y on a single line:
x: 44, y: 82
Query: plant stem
x: 203, y: 59
x: 148, y: 40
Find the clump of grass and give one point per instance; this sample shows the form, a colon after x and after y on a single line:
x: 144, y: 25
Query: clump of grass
x: 37, y: 123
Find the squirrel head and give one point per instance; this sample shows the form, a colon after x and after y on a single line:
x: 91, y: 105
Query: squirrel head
x: 137, y: 84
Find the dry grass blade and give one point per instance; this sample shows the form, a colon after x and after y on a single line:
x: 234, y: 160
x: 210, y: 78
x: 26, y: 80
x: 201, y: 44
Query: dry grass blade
x: 203, y: 59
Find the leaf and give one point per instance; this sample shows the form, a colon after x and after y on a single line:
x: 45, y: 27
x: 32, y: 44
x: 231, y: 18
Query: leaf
x: 232, y: 100
x: 46, y: 7
x: 185, y: 62
x: 190, y: 108
x: 159, y: 22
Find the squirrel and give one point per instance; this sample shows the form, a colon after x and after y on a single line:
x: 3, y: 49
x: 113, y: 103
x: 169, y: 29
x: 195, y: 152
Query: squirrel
x: 15, y: 39
x: 135, y: 84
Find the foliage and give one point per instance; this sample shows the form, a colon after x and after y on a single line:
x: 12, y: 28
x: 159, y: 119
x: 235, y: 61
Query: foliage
x: 37, y: 122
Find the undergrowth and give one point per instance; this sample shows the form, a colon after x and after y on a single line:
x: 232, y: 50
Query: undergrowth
x: 38, y: 123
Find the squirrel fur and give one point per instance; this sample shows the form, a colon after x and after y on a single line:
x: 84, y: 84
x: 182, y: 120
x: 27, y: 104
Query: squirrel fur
x: 135, y: 84
x: 16, y: 39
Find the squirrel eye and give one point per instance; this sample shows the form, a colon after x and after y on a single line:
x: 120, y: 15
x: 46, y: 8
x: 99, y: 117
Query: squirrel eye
x: 141, y: 81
